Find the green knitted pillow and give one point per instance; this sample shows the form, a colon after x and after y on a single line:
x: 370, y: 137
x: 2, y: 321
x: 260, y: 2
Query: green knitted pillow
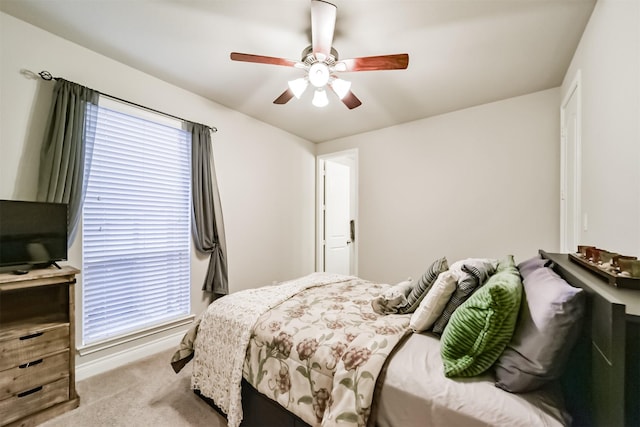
x: 482, y: 326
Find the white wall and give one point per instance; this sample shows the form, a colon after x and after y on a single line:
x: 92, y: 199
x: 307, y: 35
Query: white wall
x: 609, y: 59
x: 480, y: 182
x: 266, y: 176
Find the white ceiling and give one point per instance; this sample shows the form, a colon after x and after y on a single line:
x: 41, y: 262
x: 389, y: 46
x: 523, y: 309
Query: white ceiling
x: 462, y: 52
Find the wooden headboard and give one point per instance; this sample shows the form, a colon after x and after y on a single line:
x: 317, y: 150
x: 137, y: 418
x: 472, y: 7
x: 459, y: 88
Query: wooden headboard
x: 602, y: 380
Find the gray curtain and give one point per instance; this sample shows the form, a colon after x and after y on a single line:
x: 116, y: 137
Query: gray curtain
x: 68, y: 137
x: 208, y: 227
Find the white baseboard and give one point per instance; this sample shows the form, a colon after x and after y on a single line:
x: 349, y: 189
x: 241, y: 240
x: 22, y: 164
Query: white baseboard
x: 131, y: 354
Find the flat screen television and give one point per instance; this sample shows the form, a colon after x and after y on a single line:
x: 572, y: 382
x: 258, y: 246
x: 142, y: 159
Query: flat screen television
x: 32, y: 234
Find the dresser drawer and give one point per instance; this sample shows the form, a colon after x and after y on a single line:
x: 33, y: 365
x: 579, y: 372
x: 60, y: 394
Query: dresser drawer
x: 33, y: 373
x: 34, y: 399
x: 29, y: 345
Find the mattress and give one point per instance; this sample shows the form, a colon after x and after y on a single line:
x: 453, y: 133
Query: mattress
x: 415, y: 393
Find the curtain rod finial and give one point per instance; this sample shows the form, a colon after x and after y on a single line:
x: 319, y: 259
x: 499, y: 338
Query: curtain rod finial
x: 45, y: 75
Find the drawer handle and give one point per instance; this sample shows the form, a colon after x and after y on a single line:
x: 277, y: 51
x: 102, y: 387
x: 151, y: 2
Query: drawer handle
x: 28, y: 337
x: 26, y: 365
x: 28, y: 392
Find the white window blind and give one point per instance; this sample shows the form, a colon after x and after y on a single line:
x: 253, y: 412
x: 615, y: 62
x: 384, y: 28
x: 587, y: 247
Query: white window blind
x: 136, y: 227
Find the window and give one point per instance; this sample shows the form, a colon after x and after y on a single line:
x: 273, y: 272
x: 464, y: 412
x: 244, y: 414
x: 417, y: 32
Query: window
x: 136, y: 225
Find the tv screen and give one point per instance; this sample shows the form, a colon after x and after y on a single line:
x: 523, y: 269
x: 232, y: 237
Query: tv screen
x: 32, y: 233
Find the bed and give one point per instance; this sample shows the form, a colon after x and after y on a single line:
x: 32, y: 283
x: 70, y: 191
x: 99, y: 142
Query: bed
x: 317, y: 351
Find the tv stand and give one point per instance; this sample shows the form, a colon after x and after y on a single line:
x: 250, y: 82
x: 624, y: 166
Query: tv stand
x: 37, y: 343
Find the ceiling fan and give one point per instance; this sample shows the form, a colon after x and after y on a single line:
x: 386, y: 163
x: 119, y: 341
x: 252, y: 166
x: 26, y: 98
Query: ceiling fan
x: 321, y: 63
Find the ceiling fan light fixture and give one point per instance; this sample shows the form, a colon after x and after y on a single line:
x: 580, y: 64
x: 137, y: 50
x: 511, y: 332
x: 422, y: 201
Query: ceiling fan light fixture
x: 320, y: 61
x: 341, y: 87
x: 319, y: 74
x: 298, y: 86
x: 320, y: 98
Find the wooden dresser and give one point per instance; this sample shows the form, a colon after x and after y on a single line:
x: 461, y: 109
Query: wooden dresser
x: 37, y: 346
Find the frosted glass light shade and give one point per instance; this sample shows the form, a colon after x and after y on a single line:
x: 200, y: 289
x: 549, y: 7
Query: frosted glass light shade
x: 319, y: 74
x: 340, y: 66
x: 298, y: 86
x: 320, y: 98
x: 341, y: 87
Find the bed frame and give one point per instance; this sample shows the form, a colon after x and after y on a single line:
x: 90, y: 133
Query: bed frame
x: 601, y: 384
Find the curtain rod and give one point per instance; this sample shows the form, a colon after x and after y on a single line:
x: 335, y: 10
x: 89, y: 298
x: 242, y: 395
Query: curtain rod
x: 45, y: 75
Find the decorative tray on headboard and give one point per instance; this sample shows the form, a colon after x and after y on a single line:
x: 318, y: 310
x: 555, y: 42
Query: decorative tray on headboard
x: 612, y: 278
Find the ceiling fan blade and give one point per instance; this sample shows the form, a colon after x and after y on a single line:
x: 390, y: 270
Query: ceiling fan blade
x: 284, y: 97
x: 372, y: 63
x: 351, y: 101
x: 323, y: 23
x: 260, y: 59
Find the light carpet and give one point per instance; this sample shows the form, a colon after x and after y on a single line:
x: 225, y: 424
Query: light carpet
x: 144, y: 393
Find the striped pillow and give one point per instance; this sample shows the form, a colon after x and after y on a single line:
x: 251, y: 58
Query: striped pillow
x: 472, y: 273
x: 421, y: 286
x: 481, y: 328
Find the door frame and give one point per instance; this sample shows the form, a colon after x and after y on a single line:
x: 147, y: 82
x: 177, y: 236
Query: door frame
x: 352, y: 155
x: 575, y: 89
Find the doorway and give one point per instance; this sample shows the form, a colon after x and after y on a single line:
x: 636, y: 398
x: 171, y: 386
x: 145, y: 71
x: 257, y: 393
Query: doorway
x: 571, y: 215
x: 337, y: 226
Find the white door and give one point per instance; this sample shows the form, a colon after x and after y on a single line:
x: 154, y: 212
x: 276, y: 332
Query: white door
x: 570, y: 191
x: 337, y: 230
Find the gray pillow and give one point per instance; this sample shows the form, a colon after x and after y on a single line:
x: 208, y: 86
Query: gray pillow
x: 532, y: 264
x: 470, y: 278
x: 421, y: 286
x: 548, y: 325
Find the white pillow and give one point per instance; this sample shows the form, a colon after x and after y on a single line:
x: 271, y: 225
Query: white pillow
x: 433, y: 303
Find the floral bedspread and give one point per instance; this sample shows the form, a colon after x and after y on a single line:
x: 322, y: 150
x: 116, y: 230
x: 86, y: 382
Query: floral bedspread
x: 220, y: 340
x: 320, y: 352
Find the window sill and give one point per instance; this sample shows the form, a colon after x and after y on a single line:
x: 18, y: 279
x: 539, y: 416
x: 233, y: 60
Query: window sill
x: 122, y: 339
